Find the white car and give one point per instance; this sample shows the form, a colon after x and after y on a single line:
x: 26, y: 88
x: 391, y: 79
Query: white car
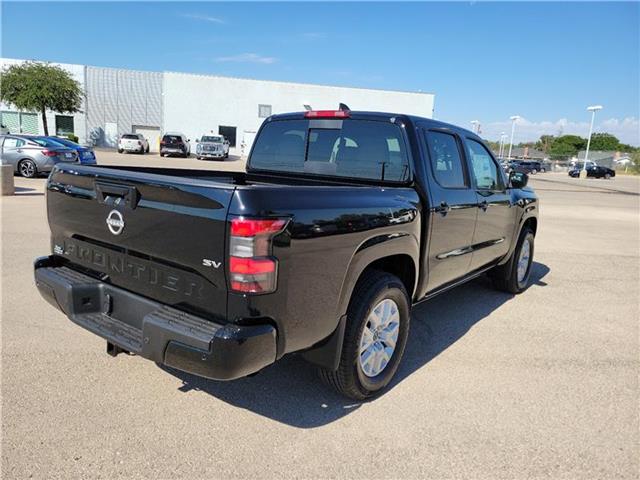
x: 133, y: 142
x: 212, y: 146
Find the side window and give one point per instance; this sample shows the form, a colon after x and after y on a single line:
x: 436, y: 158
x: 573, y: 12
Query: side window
x: 10, y: 142
x: 446, y: 161
x: 485, y: 170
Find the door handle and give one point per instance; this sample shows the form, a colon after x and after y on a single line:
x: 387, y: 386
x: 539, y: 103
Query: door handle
x: 483, y: 205
x: 443, y: 209
x: 111, y: 195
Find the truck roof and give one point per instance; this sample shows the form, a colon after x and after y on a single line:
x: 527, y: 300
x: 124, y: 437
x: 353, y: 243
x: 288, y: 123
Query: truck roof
x: 363, y: 115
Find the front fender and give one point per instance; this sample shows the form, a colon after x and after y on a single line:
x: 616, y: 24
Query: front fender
x: 528, y: 206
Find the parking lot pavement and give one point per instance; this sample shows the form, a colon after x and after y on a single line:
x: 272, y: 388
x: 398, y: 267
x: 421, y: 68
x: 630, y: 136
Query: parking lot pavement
x: 621, y: 183
x: 544, y: 384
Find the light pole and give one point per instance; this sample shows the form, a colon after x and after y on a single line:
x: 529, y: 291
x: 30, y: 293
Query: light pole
x: 593, y: 109
x: 501, y: 149
x: 476, y: 126
x: 513, y: 119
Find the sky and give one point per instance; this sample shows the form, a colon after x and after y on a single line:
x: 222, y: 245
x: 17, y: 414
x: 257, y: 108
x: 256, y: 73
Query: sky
x: 544, y: 61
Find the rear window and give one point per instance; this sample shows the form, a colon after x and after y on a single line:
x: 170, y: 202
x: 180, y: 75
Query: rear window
x: 130, y: 137
x: 66, y: 142
x: 46, y: 142
x: 363, y: 149
x: 172, y: 139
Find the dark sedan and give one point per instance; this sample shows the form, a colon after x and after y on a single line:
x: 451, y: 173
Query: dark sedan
x: 595, y: 171
x: 525, y: 166
x: 86, y: 155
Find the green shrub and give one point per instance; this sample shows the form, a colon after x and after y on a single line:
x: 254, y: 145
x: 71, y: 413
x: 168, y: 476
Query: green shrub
x: 72, y: 137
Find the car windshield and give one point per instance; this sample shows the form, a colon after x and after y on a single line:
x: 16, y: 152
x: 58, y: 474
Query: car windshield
x: 172, y: 139
x: 212, y: 139
x: 46, y: 142
x: 130, y: 137
x: 362, y: 149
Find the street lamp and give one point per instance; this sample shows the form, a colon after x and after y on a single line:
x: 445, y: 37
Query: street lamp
x: 501, y: 149
x: 513, y: 119
x: 593, y: 109
x: 476, y: 126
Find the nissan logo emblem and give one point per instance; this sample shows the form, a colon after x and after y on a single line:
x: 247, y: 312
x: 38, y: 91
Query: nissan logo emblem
x: 115, y: 222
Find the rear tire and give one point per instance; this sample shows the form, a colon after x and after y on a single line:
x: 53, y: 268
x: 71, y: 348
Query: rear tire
x: 533, y: 171
x: 607, y: 176
x: 27, y: 168
x: 120, y: 150
x: 513, y: 276
x: 380, y: 305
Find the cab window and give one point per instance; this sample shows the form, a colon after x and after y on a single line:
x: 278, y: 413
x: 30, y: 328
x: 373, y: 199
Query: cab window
x: 446, y: 161
x: 485, y: 170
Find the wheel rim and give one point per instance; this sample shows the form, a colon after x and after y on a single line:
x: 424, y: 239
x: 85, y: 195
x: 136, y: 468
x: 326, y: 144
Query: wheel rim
x: 379, y: 337
x: 27, y: 169
x: 523, y: 260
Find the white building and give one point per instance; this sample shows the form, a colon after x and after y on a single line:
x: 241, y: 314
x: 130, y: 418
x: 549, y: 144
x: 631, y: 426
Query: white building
x: 121, y: 101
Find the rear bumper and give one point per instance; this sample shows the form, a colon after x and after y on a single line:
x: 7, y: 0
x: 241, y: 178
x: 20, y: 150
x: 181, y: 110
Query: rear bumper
x: 172, y: 151
x: 153, y: 330
x: 131, y: 148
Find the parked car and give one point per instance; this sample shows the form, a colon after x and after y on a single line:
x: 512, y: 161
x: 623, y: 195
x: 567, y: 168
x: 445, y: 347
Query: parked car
x: 133, y: 142
x: 31, y: 155
x: 526, y: 166
x: 212, y: 146
x: 175, y: 144
x: 594, y: 171
x: 86, y: 155
x: 580, y: 165
x: 340, y: 223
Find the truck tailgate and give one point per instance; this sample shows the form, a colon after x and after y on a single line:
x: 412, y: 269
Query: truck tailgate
x: 143, y: 232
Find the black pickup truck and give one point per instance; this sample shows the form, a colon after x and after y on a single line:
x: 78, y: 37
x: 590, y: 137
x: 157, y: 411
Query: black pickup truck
x: 342, y: 221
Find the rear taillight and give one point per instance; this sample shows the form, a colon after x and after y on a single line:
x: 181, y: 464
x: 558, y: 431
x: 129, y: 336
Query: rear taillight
x: 327, y: 114
x: 139, y: 143
x: 252, y: 269
x: 49, y: 153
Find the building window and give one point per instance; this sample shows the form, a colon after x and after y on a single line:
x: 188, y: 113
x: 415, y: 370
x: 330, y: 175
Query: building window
x: 264, y: 111
x: 64, y: 125
x: 229, y: 133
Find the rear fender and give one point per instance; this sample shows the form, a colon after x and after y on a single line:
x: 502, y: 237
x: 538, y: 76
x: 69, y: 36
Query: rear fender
x: 327, y: 353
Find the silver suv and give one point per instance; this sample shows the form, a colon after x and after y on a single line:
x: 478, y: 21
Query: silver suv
x: 31, y: 155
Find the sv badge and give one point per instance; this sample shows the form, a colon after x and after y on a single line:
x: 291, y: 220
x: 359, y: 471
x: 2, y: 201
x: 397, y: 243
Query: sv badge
x: 211, y: 263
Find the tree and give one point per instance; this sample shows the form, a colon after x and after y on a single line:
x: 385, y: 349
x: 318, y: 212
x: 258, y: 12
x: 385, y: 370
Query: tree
x: 39, y: 87
x: 604, y: 141
x: 544, y: 144
x: 567, y: 145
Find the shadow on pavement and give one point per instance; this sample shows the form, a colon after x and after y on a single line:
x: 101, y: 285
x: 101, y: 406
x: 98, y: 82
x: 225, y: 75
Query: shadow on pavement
x: 289, y: 392
x: 24, y: 191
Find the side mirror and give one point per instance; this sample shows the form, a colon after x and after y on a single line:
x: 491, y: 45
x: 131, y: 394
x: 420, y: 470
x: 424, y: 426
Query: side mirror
x: 197, y: 140
x: 518, y: 180
x: 188, y: 139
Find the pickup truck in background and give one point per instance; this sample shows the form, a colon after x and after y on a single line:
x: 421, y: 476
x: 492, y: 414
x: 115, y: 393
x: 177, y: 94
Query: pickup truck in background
x: 342, y: 221
x: 212, y: 146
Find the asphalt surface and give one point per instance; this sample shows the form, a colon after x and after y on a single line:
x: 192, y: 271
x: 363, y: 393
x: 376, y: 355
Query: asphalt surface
x: 540, y: 385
